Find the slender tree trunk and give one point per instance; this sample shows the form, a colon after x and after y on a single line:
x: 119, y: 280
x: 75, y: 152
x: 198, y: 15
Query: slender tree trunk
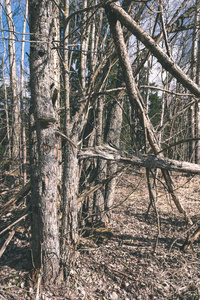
x: 99, y: 195
x: 23, y: 124
x: 44, y: 160
x: 5, y: 89
x: 70, y: 180
x: 55, y: 57
x: 84, y: 47
x: 194, y: 108
x: 197, y: 78
x: 198, y: 108
x: 13, y: 83
x: 70, y: 206
x: 113, y: 135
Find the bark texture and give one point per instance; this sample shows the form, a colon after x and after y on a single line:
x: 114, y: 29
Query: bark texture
x: 113, y: 135
x: 44, y: 148
x: 99, y: 195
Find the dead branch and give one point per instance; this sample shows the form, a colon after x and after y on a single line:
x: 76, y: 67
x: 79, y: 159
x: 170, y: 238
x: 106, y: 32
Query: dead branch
x: 66, y: 138
x: 155, y: 49
x: 23, y: 192
x: 148, y: 161
x: 191, y: 239
x: 6, y: 243
x: 166, y: 91
x: 24, y: 215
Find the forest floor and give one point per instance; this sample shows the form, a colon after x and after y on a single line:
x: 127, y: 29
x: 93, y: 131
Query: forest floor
x: 133, y: 263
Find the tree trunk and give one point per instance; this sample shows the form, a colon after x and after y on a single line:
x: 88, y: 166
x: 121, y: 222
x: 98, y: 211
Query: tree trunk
x: 86, y: 27
x: 5, y: 89
x: 99, y: 195
x: 197, y: 77
x: 13, y: 84
x: 113, y: 135
x: 70, y: 206
x: 70, y: 180
x: 23, y: 124
x: 44, y: 160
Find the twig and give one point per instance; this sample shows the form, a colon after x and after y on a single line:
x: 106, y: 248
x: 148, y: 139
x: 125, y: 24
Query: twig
x: 37, y: 297
x: 6, y: 243
x: 66, y: 137
x: 120, y: 272
x: 191, y: 239
x: 113, y: 270
x: 15, y: 222
x: 180, y: 236
x: 23, y: 192
x: 164, y: 90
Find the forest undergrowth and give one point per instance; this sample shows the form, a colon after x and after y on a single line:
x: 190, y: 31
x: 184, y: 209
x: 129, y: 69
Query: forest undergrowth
x: 140, y: 258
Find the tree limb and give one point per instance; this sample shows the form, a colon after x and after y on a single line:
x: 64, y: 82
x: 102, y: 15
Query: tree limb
x: 148, y: 161
x: 167, y: 63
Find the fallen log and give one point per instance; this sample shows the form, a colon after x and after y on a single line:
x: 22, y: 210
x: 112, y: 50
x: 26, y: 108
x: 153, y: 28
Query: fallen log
x: 142, y: 160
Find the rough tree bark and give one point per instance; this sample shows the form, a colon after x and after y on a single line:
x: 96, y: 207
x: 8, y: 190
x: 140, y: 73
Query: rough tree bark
x: 197, y: 78
x: 113, y: 135
x: 70, y: 180
x: 44, y: 160
x: 99, y: 195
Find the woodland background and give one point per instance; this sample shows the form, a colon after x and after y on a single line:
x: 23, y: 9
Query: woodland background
x: 93, y: 93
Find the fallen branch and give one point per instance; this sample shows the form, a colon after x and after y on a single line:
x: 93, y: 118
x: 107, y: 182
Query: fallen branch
x: 191, y: 239
x: 6, y: 243
x: 23, y: 192
x: 148, y: 161
x: 15, y: 222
